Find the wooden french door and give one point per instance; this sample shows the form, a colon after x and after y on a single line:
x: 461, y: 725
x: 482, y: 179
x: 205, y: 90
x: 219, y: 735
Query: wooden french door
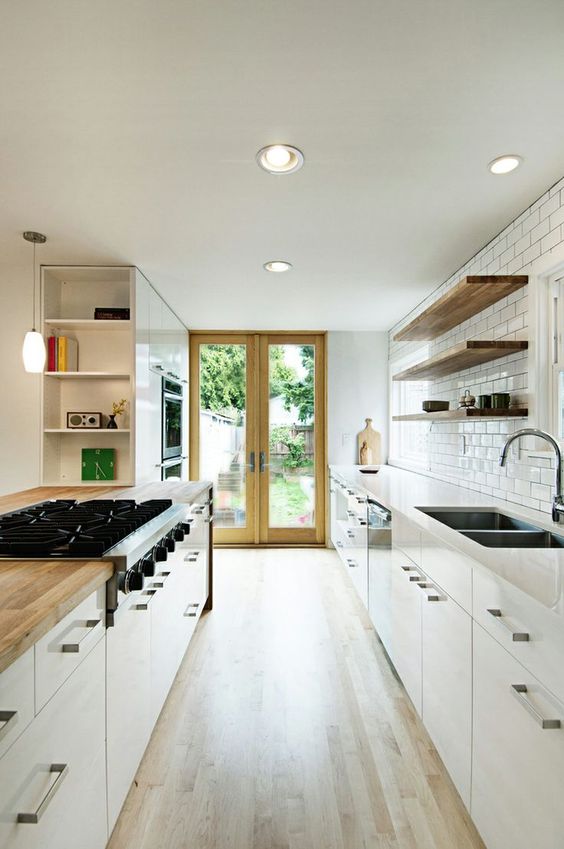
x: 257, y: 431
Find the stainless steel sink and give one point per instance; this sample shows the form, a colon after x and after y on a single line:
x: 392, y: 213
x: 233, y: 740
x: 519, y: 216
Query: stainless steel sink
x: 495, y: 530
x: 516, y: 539
x: 477, y: 520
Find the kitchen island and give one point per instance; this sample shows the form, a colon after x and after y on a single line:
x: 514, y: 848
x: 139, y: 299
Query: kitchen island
x: 79, y: 700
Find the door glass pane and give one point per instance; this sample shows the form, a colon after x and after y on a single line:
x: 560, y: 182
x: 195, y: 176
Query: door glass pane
x: 291, y: 436
x: 223, y: 401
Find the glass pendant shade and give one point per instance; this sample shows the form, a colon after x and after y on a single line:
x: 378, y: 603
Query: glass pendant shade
x: 33, y: 352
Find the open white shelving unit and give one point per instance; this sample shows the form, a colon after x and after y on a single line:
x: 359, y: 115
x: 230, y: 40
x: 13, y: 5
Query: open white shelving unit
x: 106, y: 370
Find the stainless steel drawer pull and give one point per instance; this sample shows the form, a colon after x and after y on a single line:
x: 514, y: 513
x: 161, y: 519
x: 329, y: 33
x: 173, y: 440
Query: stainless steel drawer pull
x: 9, y: 718
x: 144, y: 605
x: 62, y: 771
x: 192, y: 610
x: 192, y: 556
x: 415, y: 577
x: 516, y: 636
x: 73, y: 648
x: 431, y: 592
x: 520, y: 692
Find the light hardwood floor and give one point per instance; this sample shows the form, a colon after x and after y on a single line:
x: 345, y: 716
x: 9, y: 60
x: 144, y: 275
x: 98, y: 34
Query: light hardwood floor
x: 287, y: 729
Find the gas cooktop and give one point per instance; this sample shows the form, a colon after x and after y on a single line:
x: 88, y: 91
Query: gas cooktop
x: 74, y: 528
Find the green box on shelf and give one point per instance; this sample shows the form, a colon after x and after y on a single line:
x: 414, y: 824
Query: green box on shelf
x: 98, y: 464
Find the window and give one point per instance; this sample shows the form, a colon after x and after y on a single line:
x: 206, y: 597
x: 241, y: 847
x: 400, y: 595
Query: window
x: 557, y: 359
x: 408, y: 442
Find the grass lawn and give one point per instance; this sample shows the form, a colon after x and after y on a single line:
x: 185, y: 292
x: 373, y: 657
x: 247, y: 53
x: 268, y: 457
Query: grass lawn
x: 287, y: 502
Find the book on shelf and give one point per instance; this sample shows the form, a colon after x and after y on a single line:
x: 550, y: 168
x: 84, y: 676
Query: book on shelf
x: 62, y: 354
x: 111, y: 313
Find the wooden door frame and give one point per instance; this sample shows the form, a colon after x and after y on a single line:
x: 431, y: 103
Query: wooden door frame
x: 283, y: 537
x: 229, y: 536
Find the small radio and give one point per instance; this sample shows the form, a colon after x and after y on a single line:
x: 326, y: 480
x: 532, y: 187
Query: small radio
x: 84, y: 420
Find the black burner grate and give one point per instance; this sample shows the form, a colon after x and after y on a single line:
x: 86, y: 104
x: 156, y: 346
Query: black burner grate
x: 74, y: 528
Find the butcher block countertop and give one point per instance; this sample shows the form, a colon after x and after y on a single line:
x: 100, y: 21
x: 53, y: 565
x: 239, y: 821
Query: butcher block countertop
x: 36, y: 594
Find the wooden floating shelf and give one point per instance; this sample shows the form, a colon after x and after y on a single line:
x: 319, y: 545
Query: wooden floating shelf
x: 464, y: 414
x: 87, y: 324
x: 462, y: 356
x: 86, y: 430
x: 86, y: 375
x: 469, y: 297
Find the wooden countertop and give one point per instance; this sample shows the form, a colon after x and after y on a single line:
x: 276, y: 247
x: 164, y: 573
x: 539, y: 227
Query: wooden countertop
x: 36, y: 594
x: 181, y: 492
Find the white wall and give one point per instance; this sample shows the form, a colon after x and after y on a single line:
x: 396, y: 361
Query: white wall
x: 357, y: 388
x: 529, y: 245
x: 19, y: 391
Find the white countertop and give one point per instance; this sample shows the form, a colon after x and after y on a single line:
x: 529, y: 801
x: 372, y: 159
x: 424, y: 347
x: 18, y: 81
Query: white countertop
x: 537, y: 572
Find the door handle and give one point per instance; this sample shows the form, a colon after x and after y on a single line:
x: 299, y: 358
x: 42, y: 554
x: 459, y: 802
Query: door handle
x: 252, y: 462
x: 262, y: 461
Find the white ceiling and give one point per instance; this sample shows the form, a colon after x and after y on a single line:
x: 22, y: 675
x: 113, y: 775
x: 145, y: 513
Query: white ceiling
x: 128, y: 132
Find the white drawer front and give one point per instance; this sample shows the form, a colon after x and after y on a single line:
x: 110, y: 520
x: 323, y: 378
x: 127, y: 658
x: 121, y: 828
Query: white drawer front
x: 447, y: 684
x: 451, y: 569
x: 518, y: 766
x: 528, y: 630
x: 61, y: 651
x: 380, y: 591
x: 405, y: 648
x: 16, y: 699
x: 129, y: 721
x: 55, y: 771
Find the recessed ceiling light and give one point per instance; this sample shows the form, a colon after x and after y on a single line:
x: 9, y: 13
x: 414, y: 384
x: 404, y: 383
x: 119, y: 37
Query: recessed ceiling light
x: 280, y: 158
x: 277, y: 265
x: 505, y: 164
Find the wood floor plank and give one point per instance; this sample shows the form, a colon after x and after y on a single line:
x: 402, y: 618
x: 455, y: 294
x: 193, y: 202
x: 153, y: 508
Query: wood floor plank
x: 287, y: 728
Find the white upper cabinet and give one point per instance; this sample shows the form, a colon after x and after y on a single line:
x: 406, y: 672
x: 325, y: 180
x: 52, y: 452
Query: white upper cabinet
x: 168, y: 345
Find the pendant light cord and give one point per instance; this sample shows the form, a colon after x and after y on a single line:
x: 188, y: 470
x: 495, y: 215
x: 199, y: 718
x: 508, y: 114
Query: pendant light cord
x: 33, y: 322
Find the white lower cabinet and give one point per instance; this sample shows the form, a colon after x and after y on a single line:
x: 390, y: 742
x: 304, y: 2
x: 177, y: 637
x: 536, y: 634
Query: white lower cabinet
x: 164, y: 636
x: 128, y: 697
x: 447, y: 683
x: 53, y: 778
x: 518, y: 765
x: 380, y: 564
x: 405, y: 646
x: 16, y: 699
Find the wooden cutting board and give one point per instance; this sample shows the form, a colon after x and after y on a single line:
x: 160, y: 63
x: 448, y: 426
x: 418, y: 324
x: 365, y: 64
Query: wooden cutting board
x: 368, y: 445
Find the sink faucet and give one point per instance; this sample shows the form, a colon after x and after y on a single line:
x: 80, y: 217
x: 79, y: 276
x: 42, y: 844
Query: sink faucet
x: 558, y: 501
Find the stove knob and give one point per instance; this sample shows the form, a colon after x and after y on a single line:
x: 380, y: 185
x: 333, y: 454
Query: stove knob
x: 186, y: 527
x: 170, y: 544
x: 130, y: 581
x: 178, y: 533
x: 148, y: 567
x: 161, y: 551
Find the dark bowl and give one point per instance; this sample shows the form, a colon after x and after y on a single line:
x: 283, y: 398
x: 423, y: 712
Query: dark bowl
x: 435, y: 406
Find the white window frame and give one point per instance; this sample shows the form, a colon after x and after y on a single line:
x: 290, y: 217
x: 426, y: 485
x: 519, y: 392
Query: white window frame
x: 399, y: 456
x: 546, y: 280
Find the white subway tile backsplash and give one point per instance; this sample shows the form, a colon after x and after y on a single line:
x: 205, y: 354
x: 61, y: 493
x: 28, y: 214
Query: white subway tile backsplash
x: 526, y: 480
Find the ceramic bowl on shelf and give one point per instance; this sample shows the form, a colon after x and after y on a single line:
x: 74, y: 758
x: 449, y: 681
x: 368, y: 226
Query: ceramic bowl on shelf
x: 435, y: 406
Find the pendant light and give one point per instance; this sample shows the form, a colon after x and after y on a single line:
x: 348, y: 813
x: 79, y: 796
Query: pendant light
x: 33, y: 351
